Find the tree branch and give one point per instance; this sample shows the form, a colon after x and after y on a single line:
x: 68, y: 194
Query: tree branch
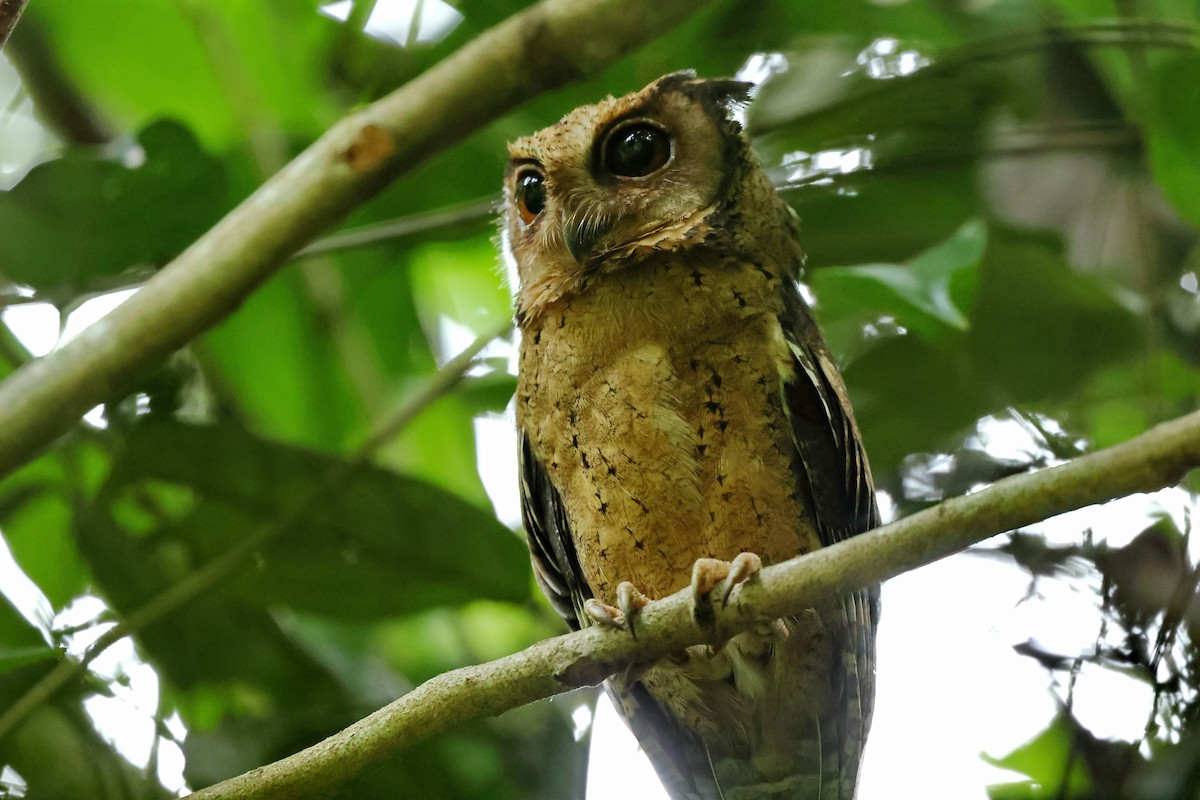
x: 1158, y: 458
x: 542, y: 47
x: 411, y: 225
x: 57, y: 100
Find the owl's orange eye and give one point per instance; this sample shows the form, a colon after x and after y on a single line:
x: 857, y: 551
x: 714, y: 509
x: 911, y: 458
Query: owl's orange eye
x: 531, y: 195
x: 636, y: 150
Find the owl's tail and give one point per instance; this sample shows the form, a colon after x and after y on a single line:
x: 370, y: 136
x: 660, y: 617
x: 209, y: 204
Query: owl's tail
x: 825, y: 759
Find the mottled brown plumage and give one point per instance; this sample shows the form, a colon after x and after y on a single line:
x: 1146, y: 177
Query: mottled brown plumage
x: 677, y: 402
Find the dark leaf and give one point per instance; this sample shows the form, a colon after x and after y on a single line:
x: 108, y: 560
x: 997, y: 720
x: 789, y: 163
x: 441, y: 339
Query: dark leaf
x: 84, y: 216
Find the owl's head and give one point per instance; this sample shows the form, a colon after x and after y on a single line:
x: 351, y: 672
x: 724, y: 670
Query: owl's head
x: 619, y: 180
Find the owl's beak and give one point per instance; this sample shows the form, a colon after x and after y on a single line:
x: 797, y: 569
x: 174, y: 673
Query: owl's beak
x: 582, y: 237
x: 580, y: 240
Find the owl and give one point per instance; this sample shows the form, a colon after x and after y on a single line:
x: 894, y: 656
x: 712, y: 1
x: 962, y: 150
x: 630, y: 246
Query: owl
x: 681, y: 424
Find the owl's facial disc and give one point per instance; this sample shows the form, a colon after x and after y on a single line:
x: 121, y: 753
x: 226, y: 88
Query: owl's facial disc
x: 614, y: 183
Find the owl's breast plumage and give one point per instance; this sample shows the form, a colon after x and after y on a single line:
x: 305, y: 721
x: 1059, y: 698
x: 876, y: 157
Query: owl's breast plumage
x: 653, y: 401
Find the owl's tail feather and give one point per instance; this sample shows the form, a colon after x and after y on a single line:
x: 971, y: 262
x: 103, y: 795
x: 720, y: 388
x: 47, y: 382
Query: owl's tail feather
x: 824, y: 760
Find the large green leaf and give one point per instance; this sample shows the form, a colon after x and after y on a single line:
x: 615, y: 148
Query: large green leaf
x: 221, y: 68
x: 1124, y: 399
x: 37, y: 514
x: 280, y: 369
x: 929, y: 296
x: 910, y: 396
x: 1052, y: 762
x: 84, y: 216
x: 877, y: 218
x: 1039, y: 328
x: 1174, y: 136
x: 381, y: 545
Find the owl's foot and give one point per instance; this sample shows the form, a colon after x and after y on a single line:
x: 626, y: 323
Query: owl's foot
x: 710, y: 573
x: 629, y: 602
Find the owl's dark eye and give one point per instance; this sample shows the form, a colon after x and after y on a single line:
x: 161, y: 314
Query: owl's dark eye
x: 636, y: 150
x: 531, y: 195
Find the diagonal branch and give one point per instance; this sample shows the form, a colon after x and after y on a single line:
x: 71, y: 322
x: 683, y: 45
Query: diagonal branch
x: 542, y: 47
x: 1158, y: 458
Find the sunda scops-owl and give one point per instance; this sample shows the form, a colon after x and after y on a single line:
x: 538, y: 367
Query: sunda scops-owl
x: 677, y: 404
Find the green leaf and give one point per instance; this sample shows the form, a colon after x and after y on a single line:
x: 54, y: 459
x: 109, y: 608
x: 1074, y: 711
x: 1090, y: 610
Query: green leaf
x: 382, y: 545
x: 883, y: 217
x: 439, y: 446
x: 928, y: 296
x: 489, y: 392
x: 219, y: 67
x: 37, y: 515
x: 461, y: 281
x: 911, y: 396
x: 1174, y: 138
x: 951, y: 96
x: 1055, y: 771
x: 1039, y: 328
x: 120, y: 217
x: 281, y: 367
x: 1126, y: 398
x: 21, y: 644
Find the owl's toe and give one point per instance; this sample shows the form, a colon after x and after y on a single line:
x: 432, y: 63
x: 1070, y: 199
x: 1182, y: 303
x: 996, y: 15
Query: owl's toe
x: 623, y: 614
x: 743, y: 567
x: 709, y: 573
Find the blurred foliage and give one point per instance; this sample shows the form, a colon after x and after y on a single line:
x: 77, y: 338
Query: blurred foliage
x: 1149, y: 617
x: 1000, y: 206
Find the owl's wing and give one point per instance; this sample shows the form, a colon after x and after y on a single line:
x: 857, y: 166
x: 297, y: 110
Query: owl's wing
x: 555, y: 562
x: 678, y: 755
x: 838, y: 479
x: 833, y: 471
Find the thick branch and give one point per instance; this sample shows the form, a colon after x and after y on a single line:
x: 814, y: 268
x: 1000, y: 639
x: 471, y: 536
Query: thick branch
x: 543, y: 47
x: 1156, y: 459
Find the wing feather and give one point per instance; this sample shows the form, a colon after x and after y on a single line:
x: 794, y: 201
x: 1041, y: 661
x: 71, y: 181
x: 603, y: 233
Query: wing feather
x: 551, y: 547
x: 835, y: 480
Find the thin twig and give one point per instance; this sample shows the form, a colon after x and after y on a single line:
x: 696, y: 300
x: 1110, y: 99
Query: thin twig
x: 1151, y: 461
x: 402, y: 227
x: 57, y: 100
x: 544, y: 46
x: 196, y: 583
x: 1128, y: 33
x: 1104, y: 135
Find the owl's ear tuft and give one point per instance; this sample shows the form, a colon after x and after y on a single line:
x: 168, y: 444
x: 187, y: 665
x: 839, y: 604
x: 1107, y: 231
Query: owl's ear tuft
x: 729, y: 94
x: 724, y: 93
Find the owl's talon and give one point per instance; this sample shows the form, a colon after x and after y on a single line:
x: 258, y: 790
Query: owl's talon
x: 629, y: 602
x: 708, y: 573
x: 603, y: 614
x: 743, y: 567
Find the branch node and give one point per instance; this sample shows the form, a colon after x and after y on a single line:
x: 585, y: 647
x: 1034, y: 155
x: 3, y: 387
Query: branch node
x: 371, y: 147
